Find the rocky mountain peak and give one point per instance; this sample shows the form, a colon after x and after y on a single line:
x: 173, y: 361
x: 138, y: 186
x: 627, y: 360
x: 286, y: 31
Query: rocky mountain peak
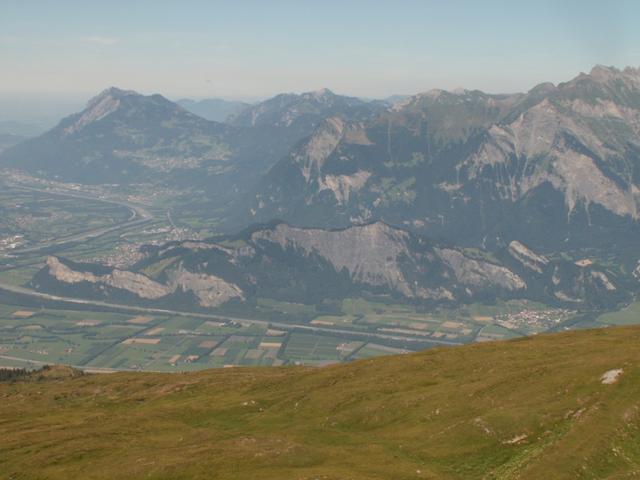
x: 632, y: 71
x: 320, y: 94
x: 113, y: 99
x: 543, y: 89
x: 604, y: 73
x: 113, y: 93
x: 100, y: 106
x: 438, y: 96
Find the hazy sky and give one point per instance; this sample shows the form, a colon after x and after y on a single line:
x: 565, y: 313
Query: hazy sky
x: 252, y: 49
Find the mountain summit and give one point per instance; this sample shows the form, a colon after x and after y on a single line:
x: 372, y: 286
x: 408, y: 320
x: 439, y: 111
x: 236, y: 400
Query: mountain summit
x: 481, y: 167
x: 303, y: 112
x: 123, y: 136
x: 457, y: 165
x: 103, y: 104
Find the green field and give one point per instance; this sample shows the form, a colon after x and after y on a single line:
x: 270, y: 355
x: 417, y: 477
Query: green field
x: 116, y: 341
x: 308, y: 348
x: 19, y: 276
x: 285, y: 307
x: 31, y: 337
x: 40, y: 217
x: 627, y: 316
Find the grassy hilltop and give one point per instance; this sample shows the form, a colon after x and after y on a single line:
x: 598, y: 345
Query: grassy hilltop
x: 529, y: 408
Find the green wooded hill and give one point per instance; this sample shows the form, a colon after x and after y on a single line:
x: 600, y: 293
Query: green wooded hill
x: 528, y: 409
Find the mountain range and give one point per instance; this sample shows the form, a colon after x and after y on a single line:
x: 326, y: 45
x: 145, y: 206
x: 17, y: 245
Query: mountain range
x: 315, y: 266
x: 124, y: 137
x: 556, y: 169
x: 304, y: 112
x: 457, y: 165
x: 478, y: 167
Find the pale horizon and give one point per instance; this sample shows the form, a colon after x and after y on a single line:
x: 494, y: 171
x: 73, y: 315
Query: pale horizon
x: 259, y: 49
x: 46, y: 108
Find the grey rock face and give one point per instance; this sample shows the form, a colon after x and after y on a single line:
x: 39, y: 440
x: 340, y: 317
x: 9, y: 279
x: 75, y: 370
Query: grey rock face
x: 135, y: 283
x: 369, y: 253
x: 478, y: 274
x: 527, y: 257
x: 380, y: 255
x: 313, y: 265
x: 210, y: 291
x: 467, y: 165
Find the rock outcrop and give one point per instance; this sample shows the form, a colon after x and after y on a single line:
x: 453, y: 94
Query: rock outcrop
x: 210, y: 290
x: 316, y: 265
x: 527, y: 258
x: 135, y: 283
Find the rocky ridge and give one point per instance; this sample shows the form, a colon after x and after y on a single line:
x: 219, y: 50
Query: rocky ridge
x: 467, y: 165
x: 313, y: 265
x: 209, y: 290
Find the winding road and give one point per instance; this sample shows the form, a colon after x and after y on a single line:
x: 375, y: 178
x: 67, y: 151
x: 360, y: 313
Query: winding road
x: 139, y: 216
x: 265, y: 323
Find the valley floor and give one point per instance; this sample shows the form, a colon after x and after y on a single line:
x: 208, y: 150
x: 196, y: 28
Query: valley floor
x: 107, y: 226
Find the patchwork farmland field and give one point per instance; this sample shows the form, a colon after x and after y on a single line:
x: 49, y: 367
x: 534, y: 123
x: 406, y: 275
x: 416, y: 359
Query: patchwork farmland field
x: 31, y: 336
x: 29, y: 218
x: 267, y: 332
x: 116, y: 341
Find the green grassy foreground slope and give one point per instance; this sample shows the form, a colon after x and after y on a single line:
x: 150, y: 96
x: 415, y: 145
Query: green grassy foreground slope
x: 529, y: 408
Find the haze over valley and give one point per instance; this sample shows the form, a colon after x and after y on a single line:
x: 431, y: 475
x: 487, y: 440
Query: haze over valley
x: 430, y: 213
x: 304, y: 192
